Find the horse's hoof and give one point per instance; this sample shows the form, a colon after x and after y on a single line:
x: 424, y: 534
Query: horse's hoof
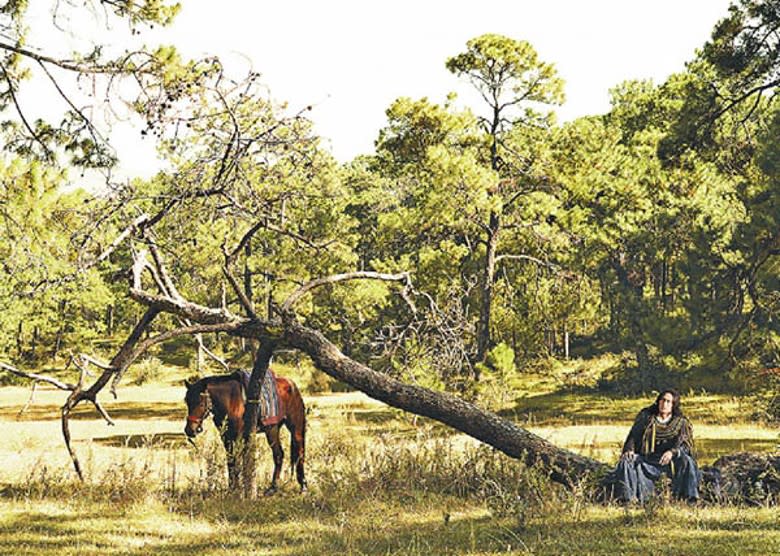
x: 304, y: 489
x: 270, y: 491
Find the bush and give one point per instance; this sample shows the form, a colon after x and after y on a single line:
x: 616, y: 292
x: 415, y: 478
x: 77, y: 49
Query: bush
x: 495, y: 375
x: 147, y: 370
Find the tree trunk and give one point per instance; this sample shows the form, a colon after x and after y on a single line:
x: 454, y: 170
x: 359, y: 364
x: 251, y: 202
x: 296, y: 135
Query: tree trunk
x: 483, y: 338
x: 248, y: 273
x: 57, y: 343
x: 110, y: 320
x: 664, y: 273
x: 248, y: 454
x: 34, y: 342
x: 562, y: 465
x: 19, y: 339
x: 630, y: 286
x: 60, y: 331
x: 198, y: 354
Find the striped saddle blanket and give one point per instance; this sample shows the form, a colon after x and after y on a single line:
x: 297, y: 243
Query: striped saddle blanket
x: 271, y: 412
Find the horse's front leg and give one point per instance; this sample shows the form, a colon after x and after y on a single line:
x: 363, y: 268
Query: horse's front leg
x: 272, y: 435
x: 232, y: 467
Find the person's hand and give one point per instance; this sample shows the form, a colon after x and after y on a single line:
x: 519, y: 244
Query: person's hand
x: 628, y: 455
x: 666, y: 457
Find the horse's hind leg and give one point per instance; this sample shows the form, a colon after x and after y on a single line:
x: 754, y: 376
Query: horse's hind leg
x: 272, y: 434
x: 230, y: 448
x: 298, y: 450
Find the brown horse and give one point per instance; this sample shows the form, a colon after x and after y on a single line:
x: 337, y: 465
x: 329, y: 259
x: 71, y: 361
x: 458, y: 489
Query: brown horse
x: 223, y: 397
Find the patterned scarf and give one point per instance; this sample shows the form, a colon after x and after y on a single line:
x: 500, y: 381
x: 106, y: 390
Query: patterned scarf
x: 657, y: 433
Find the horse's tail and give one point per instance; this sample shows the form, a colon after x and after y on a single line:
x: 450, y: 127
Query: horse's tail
x: 296, y: 417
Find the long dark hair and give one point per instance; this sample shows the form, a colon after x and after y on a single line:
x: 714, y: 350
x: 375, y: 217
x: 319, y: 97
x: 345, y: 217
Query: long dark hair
x: 676, y: 409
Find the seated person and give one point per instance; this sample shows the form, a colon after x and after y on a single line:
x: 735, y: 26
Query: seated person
x: 661, y: 441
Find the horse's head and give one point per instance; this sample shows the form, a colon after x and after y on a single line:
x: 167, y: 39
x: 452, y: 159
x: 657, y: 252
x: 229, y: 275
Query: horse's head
x: 198, y: 406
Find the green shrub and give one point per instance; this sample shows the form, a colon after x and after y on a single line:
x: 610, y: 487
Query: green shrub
x: 146, y: 370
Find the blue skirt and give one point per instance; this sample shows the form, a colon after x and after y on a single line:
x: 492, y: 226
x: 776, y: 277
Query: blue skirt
x: 636, y: 478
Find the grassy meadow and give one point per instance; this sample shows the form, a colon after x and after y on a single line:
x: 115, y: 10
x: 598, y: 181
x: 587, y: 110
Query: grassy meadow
x: 381, y: 482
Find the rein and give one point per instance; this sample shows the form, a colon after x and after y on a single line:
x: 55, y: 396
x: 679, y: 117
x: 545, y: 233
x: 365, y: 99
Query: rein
x: 205, y: 399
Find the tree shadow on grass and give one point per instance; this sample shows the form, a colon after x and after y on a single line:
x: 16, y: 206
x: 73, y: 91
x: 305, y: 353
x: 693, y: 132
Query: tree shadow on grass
x: 273, y: 532
x: 567, y: 407
x: 710, y: 449
x: 163, y: 440
x: 139, y: 411
x: 588, y: 406
x: 291, y: 524
x: 32, y: 532
x: 280, y: 533
x: 163, y: 411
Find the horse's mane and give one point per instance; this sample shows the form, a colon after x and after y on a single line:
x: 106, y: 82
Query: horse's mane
x: 220, y: 378
x: 200, y: 384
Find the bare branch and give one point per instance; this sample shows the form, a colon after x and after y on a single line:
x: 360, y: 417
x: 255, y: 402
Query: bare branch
x: 134, y: 226
x: 103, y: 412
x: 744, y: 96
x: 242, y: 298
x: 183, y: 331
x: 247, y: 237
x: 246, y: 303
x: 167, y: 284
x: 99, y: 364
x: 96, y: 135
x: 29, y: 400
x: 185, y: 309
x: 20, y: 112
x: 139, y: 264
x: 299, y: 237
x: 33, y: 376
x: 214, y: 356
x: 70, y: 403
x: 362, y: 275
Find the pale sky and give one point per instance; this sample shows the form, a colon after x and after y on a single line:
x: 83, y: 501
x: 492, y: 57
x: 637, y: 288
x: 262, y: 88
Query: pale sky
x: 351, y: 58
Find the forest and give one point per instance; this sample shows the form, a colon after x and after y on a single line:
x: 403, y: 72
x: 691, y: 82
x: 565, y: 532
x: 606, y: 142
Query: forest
x: 474, y: 251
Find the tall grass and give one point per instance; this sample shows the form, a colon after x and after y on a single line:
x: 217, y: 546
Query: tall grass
x: 380, y: 495
x: 378, y: 485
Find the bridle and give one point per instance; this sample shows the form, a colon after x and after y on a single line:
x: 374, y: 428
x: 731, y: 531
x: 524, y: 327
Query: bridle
x: 205, y: 399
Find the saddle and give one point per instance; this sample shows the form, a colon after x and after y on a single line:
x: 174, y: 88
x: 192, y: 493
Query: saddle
x: 271, y: 412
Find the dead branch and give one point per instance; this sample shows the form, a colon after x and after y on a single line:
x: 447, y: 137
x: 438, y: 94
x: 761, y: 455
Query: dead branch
x: 207, y: 351
x: 20, y: 113
x: 42, y: 378
x: 91, y: 360
x: 134, y: 227
x: 362, y: 275
x: 245, y: 302
x: 30, y: 400
x: 165, y: 282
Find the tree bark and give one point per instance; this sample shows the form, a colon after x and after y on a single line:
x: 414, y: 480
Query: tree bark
x: 248, y: 273
x: 19, y: 339
x: 562, y: 465
x: 249, y: 445
x: 110, y: 320
x: 484, y: 337
x: 119, y: 364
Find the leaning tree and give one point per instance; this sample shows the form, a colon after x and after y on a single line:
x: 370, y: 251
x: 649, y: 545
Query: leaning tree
x: 244, y: 179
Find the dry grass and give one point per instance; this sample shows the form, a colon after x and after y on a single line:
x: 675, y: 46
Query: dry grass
x: 380, y: 485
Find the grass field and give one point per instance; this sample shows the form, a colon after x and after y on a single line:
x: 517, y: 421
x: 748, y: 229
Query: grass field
x: 381, y: 483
